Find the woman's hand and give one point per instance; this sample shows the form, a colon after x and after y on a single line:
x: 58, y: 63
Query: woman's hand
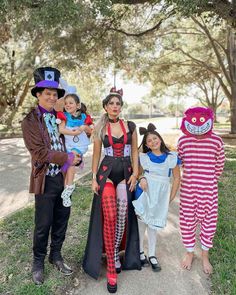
x: 143, y: 184
x: 95, y: 186
x: 132, y: 182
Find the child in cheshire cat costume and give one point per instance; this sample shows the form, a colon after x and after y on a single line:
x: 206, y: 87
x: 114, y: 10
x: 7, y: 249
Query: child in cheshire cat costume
x: 202, y: 155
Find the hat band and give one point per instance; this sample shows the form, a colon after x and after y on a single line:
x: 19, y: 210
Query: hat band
x: 46, y: 83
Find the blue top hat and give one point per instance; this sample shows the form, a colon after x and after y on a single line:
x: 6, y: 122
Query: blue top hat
x: 47, y: 77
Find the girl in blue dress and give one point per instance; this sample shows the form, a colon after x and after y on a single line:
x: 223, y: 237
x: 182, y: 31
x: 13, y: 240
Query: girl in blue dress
x: 154, y: 192
x: 73, y: 124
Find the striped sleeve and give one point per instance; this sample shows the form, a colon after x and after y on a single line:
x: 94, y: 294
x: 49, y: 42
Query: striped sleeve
x: 220, y: 160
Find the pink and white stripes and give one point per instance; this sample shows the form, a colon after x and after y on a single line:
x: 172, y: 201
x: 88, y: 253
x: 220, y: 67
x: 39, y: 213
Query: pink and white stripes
x: 202, y: 162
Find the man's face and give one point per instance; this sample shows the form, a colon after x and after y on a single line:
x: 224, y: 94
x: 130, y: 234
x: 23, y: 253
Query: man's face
x: 47, y: 98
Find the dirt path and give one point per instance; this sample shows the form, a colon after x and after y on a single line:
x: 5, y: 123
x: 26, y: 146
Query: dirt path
x: 171, y: 280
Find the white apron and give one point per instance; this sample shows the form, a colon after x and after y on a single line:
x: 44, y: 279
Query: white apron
x: 152, y: 206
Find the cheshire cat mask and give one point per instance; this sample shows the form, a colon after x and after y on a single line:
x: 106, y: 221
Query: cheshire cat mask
x: 197, y: 121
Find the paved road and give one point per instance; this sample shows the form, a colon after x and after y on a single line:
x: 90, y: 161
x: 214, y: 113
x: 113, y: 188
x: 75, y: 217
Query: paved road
x: 14, y: 175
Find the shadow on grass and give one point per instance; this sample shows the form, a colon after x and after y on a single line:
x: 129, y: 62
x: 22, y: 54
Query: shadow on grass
x: 16, y: 234
x: 223, y: 255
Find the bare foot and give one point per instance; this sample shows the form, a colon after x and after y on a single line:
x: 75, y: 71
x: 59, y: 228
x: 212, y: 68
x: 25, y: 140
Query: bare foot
x: 207, y: 267
x: 187, y: 261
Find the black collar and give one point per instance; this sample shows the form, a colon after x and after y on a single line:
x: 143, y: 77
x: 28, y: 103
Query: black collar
x: 114, y: 120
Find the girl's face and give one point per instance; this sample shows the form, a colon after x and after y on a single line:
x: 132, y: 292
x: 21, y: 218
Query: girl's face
x: 153, y: 142
x: 71, y: 106
x: 113, y: 107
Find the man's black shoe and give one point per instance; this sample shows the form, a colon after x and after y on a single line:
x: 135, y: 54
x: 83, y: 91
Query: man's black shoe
x: 62, y: 267
x: 37, y: 277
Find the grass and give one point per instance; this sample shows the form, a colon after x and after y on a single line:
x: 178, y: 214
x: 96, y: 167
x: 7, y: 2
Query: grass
x: 16, y: 243
x: 16, y: 249
x: 223, y: 255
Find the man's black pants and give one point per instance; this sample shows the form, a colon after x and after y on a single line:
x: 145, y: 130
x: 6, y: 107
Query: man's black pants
x: 50, y: 214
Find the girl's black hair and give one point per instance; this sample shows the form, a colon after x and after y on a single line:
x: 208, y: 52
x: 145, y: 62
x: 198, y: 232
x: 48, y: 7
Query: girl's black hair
x: 83, y: 108
x: 74, y: 96
x: 145, y: 149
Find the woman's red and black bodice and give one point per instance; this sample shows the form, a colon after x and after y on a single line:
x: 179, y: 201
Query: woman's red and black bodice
x: 119, y: 149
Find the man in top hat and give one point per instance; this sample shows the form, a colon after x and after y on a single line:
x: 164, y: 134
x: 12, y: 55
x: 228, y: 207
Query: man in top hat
x: 49, y: 161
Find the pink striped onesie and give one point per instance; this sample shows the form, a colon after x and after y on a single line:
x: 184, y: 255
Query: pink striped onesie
x: 203, y: 162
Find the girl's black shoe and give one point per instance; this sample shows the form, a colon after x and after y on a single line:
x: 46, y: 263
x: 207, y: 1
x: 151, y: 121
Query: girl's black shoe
x: 155, y: 266
x: 144, y: 262
x: 118, y: 269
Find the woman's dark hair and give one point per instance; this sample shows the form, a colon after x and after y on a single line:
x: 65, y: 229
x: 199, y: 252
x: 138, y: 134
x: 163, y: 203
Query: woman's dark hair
x: 145, y: 149
x: 109, y: 97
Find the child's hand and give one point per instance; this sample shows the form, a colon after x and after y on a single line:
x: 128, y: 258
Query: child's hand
x: 76, y: 131
x: 143, y: 184
x: 171, y: 199
x: 82, y: 128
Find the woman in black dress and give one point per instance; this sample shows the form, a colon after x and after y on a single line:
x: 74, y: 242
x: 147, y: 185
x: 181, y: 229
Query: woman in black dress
x: 113, y: 224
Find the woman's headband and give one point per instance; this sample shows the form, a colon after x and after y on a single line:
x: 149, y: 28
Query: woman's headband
x: 113, y: 92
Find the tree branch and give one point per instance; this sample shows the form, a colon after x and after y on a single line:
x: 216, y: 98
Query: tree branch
x: 203, y: 64
x: 133, y: 2
x: 220, y: 103
x: 218, y: 56
x: 224, y: 9
x: 156, y: 27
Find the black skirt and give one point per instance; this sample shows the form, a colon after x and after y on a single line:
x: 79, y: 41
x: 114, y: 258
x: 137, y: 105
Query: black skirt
x: 95, y: 245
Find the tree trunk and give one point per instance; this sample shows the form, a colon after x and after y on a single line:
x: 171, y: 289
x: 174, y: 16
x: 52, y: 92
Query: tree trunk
x: 9, y: 120
x: 214, y: 108
x: 232, y: 69
x: 233, y: 109
x: 24, y: 93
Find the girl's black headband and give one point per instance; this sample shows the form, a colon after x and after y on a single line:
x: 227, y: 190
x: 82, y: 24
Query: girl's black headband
x: 144, y: 131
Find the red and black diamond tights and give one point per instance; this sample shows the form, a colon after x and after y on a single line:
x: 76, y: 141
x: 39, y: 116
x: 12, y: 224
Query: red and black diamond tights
x: 109, y: 226
x: 114, y: 204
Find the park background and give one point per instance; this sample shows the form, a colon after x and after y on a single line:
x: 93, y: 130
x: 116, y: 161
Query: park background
x: 166, y: 55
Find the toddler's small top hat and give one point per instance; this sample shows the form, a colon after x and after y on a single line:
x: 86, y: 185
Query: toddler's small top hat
x: 47, y: 77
